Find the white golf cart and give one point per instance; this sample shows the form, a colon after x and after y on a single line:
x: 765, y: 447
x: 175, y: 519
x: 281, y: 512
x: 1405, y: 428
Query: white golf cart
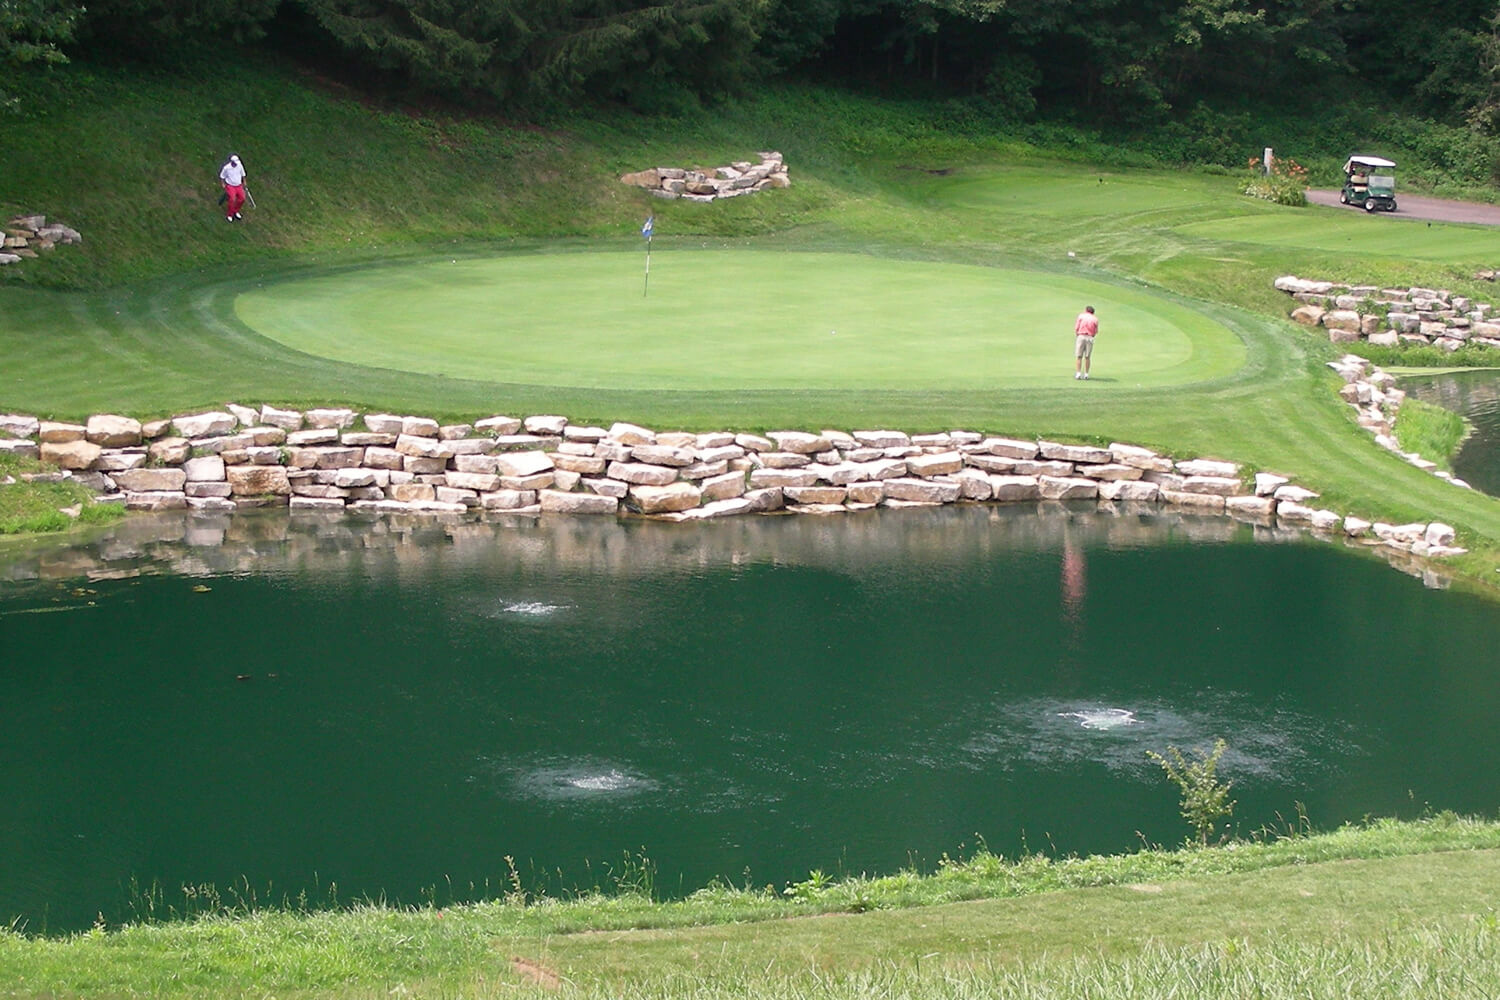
x: 1370, y: 183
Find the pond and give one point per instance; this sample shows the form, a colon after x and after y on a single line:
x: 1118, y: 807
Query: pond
x: 1475, y: 395
x: 389, y: 706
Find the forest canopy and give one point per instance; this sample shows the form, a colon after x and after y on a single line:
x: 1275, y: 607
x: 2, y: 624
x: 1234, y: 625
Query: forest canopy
x: 1132, y: 60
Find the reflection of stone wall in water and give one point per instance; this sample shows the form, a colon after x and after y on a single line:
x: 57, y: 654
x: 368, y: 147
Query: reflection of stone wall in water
x: 199, y: 545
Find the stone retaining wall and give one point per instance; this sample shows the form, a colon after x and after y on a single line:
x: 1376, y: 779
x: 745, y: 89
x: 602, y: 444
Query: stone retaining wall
x: 708, y: 185
x: 1374, y: 395
x: 1391, y: 317
x: 27, y: 234
x: 338, y: 460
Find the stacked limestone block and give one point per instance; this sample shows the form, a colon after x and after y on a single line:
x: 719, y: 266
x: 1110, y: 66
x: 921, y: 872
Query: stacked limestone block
x: 337, y: 460
x: 1374, y: 395
x: 739, y: 178
x: 1390, y: 317
x: 25, y: 235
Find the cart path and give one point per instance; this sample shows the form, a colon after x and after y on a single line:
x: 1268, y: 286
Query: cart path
x: 1414, y: 206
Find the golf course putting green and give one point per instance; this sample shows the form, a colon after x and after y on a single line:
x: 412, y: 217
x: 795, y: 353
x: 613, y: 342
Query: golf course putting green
x: 735, y: 319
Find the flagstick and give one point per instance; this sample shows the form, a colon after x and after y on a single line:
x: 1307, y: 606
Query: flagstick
x: 647, y: 286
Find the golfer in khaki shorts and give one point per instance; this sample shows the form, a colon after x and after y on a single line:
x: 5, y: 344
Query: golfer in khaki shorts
x: 1085, y: 329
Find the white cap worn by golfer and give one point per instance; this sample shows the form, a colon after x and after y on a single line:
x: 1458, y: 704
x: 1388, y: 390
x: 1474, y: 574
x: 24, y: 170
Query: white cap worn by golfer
x: 233, y: 172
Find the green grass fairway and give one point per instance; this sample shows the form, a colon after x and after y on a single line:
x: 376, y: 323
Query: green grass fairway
x: 735, y: 318
x: 1358, y: 233
x: 1073, y: 192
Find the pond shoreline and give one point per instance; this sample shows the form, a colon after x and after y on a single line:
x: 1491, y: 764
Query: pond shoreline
x: 336, y: 461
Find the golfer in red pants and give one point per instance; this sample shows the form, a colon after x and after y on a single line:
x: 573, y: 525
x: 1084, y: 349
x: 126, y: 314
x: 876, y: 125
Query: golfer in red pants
x: 233, y: 176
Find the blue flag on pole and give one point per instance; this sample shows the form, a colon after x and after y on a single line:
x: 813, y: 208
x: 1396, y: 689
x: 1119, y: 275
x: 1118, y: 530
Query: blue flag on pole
x: 646, y: 229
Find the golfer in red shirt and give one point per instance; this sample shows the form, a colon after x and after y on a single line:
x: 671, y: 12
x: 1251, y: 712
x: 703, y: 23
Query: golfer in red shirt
x: 1085, y: 329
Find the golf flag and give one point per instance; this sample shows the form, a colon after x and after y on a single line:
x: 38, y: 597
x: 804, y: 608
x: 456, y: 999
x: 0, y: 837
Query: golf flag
x: 646, y: 232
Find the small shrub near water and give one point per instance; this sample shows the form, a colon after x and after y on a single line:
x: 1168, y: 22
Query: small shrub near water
x: 1205, y: 799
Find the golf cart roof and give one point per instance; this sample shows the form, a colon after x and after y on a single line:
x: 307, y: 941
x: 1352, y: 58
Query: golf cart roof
x: 1361, y: 160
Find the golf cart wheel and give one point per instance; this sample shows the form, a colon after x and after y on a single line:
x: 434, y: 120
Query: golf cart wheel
x: 1343, y: 197
x: 1370, y: 205
x: 1391, y: 207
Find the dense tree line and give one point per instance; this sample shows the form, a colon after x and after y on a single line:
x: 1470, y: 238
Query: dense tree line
x: 1131, y: 59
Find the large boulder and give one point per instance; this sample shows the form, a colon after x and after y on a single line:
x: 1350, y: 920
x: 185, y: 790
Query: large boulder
x: 800, y: 442
x: 1341, y: 319
x: 939, y: 464
x: 75, y: 454
x: 815, y: 494
x: 1055, y: 452
x: 421, y: 427
x: 151, y: 480
x: 523, y: 463
x: 923, y: 490
x: 109, y: 430
x: 19, y: 425
x: 57, y: 432
x: 640, y: 474
x: 1067, y: 488
x: 724, y: 487
x: 882, y: 439
x: 660, y: 454
x: 257, y: 480
x: 557, y: 502
x: 661, y: 499
x: 287, y: 420
x: 1308, y: 315
x: 643, y: 178
x: 497, y: 426
x: 208, y: 469
x: 778, y: 478
x: 198, y: 425
x: 169, y: 451
x: 335, y: 418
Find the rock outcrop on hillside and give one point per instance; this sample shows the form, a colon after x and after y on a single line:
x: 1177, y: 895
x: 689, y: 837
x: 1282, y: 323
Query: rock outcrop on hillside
x: 709, y: 185
x: 26, y: 235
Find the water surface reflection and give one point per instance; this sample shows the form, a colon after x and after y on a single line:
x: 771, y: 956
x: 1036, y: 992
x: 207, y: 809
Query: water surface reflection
x: 390, y: 705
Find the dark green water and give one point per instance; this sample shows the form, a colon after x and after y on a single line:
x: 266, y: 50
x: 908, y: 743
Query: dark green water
x: 761, y: 695
x: 1475, y: 395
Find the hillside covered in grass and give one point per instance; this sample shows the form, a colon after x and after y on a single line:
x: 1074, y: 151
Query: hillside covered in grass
x: 129, y: 156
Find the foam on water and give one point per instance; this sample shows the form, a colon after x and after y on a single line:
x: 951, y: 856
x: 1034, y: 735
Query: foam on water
x: 1266, y: 742
x: 614, y: 781
x: 1102, y: 718
x: 578, y: 780
x: 532, y: 608
x: 513, y: 608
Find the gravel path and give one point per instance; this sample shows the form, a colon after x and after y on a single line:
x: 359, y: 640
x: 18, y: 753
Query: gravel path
x: 1412, y: 206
